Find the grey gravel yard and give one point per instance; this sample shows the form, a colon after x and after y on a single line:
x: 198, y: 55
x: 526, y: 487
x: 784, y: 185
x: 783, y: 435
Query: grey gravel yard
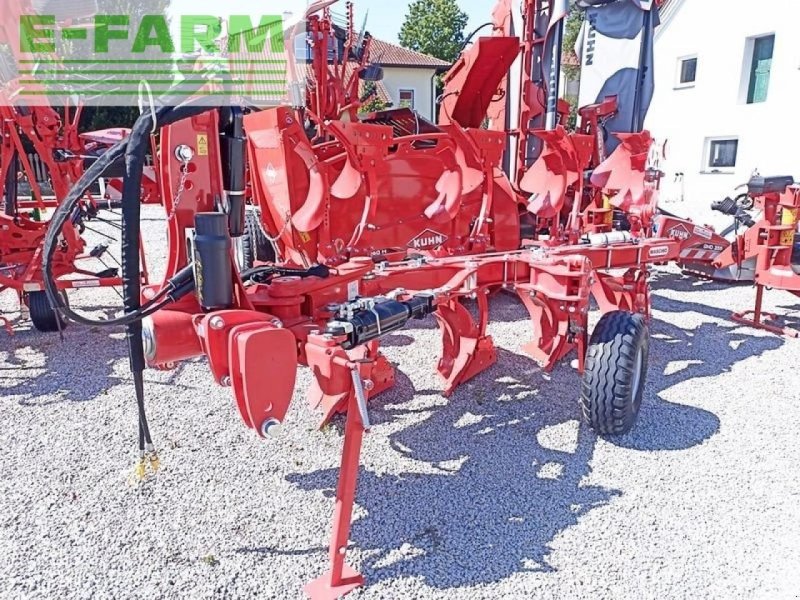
x: 498, y: 492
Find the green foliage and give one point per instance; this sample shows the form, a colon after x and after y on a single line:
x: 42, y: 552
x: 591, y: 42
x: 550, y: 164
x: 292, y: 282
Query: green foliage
x: 94, y: 118
x: 435, y: 28
x: 571, y: 31
x: 572, y: 123
x: 373, y: 103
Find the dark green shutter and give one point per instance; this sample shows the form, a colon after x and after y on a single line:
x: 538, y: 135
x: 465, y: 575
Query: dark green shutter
x: 759, y: 72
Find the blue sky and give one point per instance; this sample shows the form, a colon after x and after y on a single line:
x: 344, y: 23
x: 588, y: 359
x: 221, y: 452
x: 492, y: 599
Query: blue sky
x: 385, y: 18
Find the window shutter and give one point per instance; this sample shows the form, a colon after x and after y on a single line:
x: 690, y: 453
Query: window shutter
x: 760, y: 71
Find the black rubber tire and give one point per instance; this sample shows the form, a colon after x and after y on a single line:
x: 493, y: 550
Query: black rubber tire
x: 261, y: 248
x: 10, y: 188
x: 796, y: 254
x: 245, y: 253
x: 616, y: 368
x: 44, y: 318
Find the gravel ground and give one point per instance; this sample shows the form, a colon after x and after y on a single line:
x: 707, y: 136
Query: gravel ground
x: 497, y: 493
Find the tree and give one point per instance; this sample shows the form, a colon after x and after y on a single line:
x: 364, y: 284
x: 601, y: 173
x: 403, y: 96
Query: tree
x: 373, y: 102
x: 571, y: 31
x: 435, y: 28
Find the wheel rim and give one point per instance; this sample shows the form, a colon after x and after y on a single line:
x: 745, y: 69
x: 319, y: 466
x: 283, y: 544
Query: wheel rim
x: 238, y: 245
x: 636, y: 381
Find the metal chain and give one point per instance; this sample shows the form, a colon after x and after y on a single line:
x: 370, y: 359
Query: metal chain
x: 181, y: 188
x: 286, y: 224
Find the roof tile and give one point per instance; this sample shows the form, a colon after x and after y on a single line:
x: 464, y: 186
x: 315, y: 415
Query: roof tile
x: 390, y: 55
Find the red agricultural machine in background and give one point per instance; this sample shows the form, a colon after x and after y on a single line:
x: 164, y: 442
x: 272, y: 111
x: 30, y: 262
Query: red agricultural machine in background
x: 43, y: 149
x: 380, y: 219
x: 768, y: 248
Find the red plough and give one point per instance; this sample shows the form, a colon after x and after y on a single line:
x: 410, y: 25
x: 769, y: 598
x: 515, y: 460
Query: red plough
x: 387, y: 218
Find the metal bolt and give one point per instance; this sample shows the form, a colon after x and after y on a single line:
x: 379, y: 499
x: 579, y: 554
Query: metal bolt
x: 225, y: 381
x: 277, y: 323
x: 368, y: 384
x: 184, y: 153
x: 217, y: 322
x: 271, y: 428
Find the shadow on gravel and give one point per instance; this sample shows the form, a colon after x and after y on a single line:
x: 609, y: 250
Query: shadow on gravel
x: 789, y: 315
x: 510, y: 465
x: 75, y: 370
x: 510, y: 469
x: 42, y: 370
x: 680, y: 282
x: 679, y: 355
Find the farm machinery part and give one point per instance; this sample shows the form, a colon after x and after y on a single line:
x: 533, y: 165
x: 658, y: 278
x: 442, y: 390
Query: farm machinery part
x: 376, y: 222
x: 60, y: 155
x: 769, y: 244
x: 256, y: 326
x: 23, y: 223
x: 593, y: 180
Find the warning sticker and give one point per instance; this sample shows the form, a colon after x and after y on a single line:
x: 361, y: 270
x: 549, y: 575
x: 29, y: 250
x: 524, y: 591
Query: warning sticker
x: 202, y: 144
x: 658, y: 251
x: 703, y: 232
x: 352, y: 290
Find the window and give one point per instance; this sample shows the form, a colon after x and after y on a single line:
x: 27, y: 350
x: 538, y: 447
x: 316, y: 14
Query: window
x: 302, y: 50
x: 407, y: 99
x: 722, y: 153
x: 687, y: 71
x: 760, y: 68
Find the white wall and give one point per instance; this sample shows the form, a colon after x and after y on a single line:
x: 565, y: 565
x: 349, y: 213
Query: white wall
x: 717, y: 31
x: 419, y: 80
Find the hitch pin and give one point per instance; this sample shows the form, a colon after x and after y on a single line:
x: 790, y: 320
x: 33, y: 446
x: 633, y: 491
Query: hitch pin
x: 361, y: 397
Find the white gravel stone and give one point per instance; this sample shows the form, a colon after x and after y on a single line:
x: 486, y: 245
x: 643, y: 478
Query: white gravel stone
x: 701, y: 500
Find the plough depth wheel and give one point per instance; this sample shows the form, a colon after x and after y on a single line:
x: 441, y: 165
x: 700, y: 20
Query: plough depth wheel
x: 253, y: 245
x: 616, y: 364
x: 44, y: 318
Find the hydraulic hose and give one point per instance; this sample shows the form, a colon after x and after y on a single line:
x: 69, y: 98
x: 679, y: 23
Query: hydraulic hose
x: 133, y: 148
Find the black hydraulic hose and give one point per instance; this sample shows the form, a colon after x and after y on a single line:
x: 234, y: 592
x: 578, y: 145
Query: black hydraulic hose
x: 130, y: 217
x: 11, y: 187
x: 135, y: 155
x: 134, y: 148
x: 472, y: 35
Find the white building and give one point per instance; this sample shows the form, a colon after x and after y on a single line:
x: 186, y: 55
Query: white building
x: 727, y: 78
x: 408, y: 77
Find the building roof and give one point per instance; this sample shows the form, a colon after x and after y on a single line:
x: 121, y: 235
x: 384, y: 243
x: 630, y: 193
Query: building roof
x: 390, y: 55
x: 666, y: 11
